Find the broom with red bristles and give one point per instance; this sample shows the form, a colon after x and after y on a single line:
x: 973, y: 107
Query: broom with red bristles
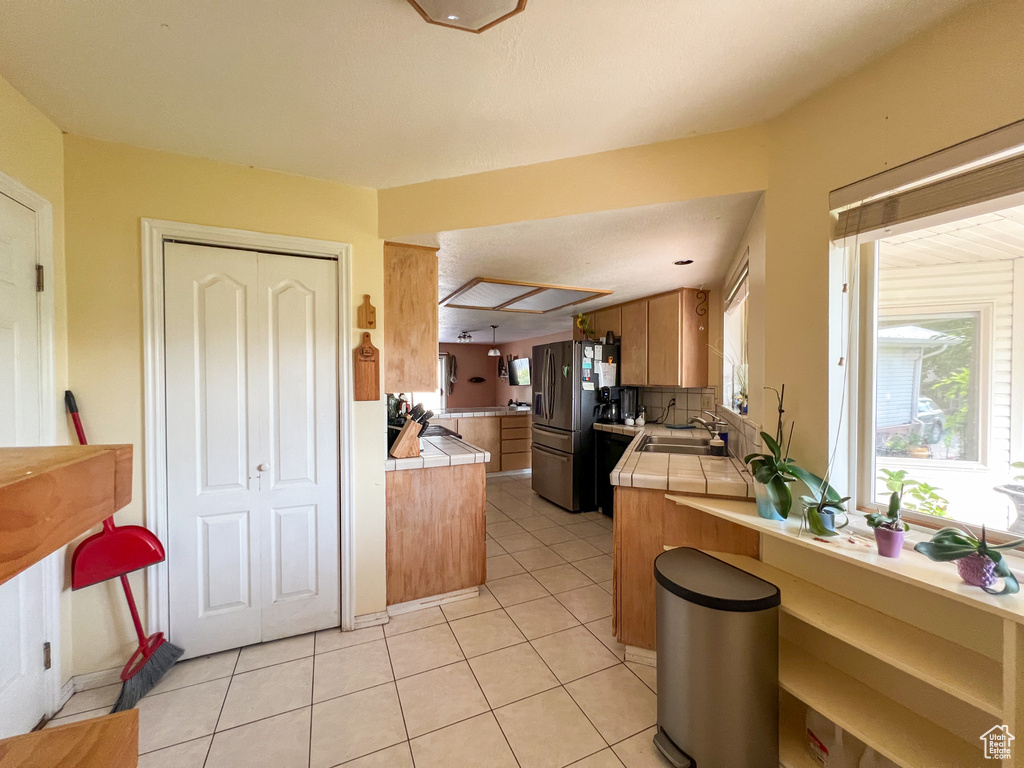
x: 115, y: 552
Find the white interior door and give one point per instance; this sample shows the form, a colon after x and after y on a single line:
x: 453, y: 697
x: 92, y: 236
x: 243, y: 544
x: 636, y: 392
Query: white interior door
x: 22, y: 626
x: 252, y: 446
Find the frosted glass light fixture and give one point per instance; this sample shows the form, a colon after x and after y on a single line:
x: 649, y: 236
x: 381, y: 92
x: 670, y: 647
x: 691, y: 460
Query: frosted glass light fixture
x: 494, y: 351
x: 467, y: 15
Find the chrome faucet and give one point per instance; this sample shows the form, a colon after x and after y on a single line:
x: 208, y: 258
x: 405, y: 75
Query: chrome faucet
x: 713, y: 427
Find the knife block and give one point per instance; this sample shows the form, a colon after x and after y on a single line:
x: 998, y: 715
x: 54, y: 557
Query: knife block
x: 407, y: 444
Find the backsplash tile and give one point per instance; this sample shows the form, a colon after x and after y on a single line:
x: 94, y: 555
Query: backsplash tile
x: 744, y: 434
x: 688, y: 403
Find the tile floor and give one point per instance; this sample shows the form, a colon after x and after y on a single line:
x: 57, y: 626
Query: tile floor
x: 527, y: 674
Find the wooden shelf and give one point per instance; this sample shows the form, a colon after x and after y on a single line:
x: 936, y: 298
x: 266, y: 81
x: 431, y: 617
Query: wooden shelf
x: 959, y: 671
x: 912, y: 568
x: 51, y: 495
x: 889, y: 728
x: 792, y: 742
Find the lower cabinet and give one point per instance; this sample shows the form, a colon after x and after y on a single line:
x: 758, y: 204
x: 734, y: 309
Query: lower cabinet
x: 516, y: 443
x: 484, y: 432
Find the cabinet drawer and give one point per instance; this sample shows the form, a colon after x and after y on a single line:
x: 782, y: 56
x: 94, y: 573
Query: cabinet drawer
x: 515, y: 434
x: 515, y: 421
x: 513, y: 461
x: 514, y: 446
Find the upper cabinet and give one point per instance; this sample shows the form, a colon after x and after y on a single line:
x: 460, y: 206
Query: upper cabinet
x: 633, y: 345
x: 664, y: 325
x: 410, y: 318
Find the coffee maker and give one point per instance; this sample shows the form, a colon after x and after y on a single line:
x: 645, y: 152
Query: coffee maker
x: 629, y: 400
x: 607, y: 408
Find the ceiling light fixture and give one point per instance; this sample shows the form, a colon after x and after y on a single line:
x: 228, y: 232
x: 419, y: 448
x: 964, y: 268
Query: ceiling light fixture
x: 494, y: 351
x: 464, y: 338
x: 467, y: 15
x: 684, y: 262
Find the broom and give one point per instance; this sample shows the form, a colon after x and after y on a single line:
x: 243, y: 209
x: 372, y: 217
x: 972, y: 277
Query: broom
x: 117, y: 551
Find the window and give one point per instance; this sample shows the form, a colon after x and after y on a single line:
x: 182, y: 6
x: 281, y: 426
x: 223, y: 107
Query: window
x: 734, y: 345
x: 438, y: 399
x: 947, y: 382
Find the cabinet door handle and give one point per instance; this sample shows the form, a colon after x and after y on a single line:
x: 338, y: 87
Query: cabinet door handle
x: 264, y: 467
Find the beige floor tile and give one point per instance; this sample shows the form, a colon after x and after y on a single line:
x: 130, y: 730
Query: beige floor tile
x: 536, y: 522
x: 576, y: 549
x: 587, y: 603
x: 639, y: 751
x: 281, y: 741
x: 516, y: 589
x: 502, y: 567
x: 95, y: 698
x: 398, y: 756
x: 328, y: 640
x: 602, y: 630
x: 512, y: 674
x: 541, y: 617
x: 608, y: 586
x: 275, y: 652
x: 573, y: 653
x: 561, y: 578
x: 616, y: 701
x: 440, y: 697
x: 548, y: 730
x: 498, y: 530
x: 537, y: 558
x: 585, y: 529
x: 646, y: 673
x: 198, y: 670
x: 355, y: 725
x: 597, y: 568
x: 603, y: 759
x: 424, y: 649
x: 413, y: 620
x: 268, y: 691
x: 494, y: 548
x: 181, y: 715
x: 486, y: 632
x: 351, y: 669
x: 474, y: 743
x: 494, y: 515
x: 459, y: 609
x: 89, y: 714
x: 191, y: 754
x: 519, y: 542
x: 555, y: 535
x: 604, y: 542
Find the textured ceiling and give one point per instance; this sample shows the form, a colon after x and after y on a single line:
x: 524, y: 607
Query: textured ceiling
x: 629, y: 251
x: 365, y: 91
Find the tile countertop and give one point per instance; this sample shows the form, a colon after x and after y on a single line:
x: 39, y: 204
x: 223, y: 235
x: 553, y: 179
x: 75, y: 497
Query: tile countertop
x: 713, y: 475
x: 495, y: 410
x: 440, y: 452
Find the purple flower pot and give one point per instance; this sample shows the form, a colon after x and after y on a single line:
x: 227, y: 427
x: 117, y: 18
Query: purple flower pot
x: 977, y: 570
x: 889, y: 542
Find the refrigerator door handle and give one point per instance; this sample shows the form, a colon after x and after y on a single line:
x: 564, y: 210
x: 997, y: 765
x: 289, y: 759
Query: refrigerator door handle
x: 554, y: 454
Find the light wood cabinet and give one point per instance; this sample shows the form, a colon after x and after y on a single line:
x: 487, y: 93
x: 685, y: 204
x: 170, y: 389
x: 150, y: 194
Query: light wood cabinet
x: 410, y: 318
x: 633, y: 345
x: 107, y: 741
x: 484, y: 432
x: 663, y: 331
x: 608, y: 319
x: 693, y: 339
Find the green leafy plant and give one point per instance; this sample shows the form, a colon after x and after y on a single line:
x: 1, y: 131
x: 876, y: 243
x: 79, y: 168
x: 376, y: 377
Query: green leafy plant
x: 1018, y: 465
x: 892, y: 519
x: 926, y: 497
x: 820, y: 504
x: 951, y: 544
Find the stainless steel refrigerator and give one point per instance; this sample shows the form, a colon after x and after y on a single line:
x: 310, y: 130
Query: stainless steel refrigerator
x: 565, y: 385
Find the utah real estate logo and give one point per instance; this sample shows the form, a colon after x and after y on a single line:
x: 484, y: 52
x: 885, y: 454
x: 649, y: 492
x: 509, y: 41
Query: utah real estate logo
x: 997, y: 742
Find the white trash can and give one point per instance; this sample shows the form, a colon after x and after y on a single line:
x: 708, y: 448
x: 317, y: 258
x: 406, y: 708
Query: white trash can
x: 718, y: 663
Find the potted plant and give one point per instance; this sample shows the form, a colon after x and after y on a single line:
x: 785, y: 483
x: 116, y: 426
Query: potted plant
x: 889, y: 527
x: 820, y: 512
x: 979, y: 563
x: 585, y: 325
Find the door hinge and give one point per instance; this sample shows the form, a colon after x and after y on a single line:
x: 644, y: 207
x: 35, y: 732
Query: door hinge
x: 46, y: 656
x: 40, y: 284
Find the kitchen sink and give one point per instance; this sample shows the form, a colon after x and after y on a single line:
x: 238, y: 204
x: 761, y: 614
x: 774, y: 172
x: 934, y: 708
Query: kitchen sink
x: 691, y: 446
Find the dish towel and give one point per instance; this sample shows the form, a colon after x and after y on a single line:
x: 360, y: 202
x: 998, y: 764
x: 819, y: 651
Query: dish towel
x: 453, y: 370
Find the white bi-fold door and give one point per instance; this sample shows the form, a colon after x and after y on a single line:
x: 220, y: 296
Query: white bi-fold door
x: 22, y: 628
x: 251, y: 345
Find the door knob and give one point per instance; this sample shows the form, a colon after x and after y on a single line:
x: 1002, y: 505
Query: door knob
x: 264, y: 467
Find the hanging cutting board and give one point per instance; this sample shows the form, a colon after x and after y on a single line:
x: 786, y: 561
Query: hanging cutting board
x: 366, y: 371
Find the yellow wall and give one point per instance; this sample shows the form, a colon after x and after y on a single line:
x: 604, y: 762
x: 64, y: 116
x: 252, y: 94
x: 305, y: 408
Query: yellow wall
x: 957, y: 80
x: 32, y: 153
x: 109, y: 189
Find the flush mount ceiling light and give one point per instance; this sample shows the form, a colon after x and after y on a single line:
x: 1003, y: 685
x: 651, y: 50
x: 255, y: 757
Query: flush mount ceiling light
x: 516, y: 296
x: 494, y: 351
x: 467, y: 15
x: 464, y: 338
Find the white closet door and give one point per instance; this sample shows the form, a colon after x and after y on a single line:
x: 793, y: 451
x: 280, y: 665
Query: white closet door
x: 22, y: 688
x: 298, y: 320
x: 214, y: 536
x: 252, y: 446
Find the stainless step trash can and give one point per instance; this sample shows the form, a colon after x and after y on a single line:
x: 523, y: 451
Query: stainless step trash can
x: 718, y: 663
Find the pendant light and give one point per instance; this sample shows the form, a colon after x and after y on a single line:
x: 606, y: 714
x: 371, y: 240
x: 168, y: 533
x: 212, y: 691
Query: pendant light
x: 464, y: 338
x: 494, y: 351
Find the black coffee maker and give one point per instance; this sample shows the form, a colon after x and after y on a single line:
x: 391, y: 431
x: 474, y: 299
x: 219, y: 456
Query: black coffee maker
x: 608, y: 408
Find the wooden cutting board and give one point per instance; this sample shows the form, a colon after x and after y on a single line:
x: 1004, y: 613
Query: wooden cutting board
x: 366, y: 371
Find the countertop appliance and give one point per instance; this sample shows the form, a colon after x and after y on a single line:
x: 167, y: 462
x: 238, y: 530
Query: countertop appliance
x: 629, y: 400
x: 607, y: 409
x: 567, y: 378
